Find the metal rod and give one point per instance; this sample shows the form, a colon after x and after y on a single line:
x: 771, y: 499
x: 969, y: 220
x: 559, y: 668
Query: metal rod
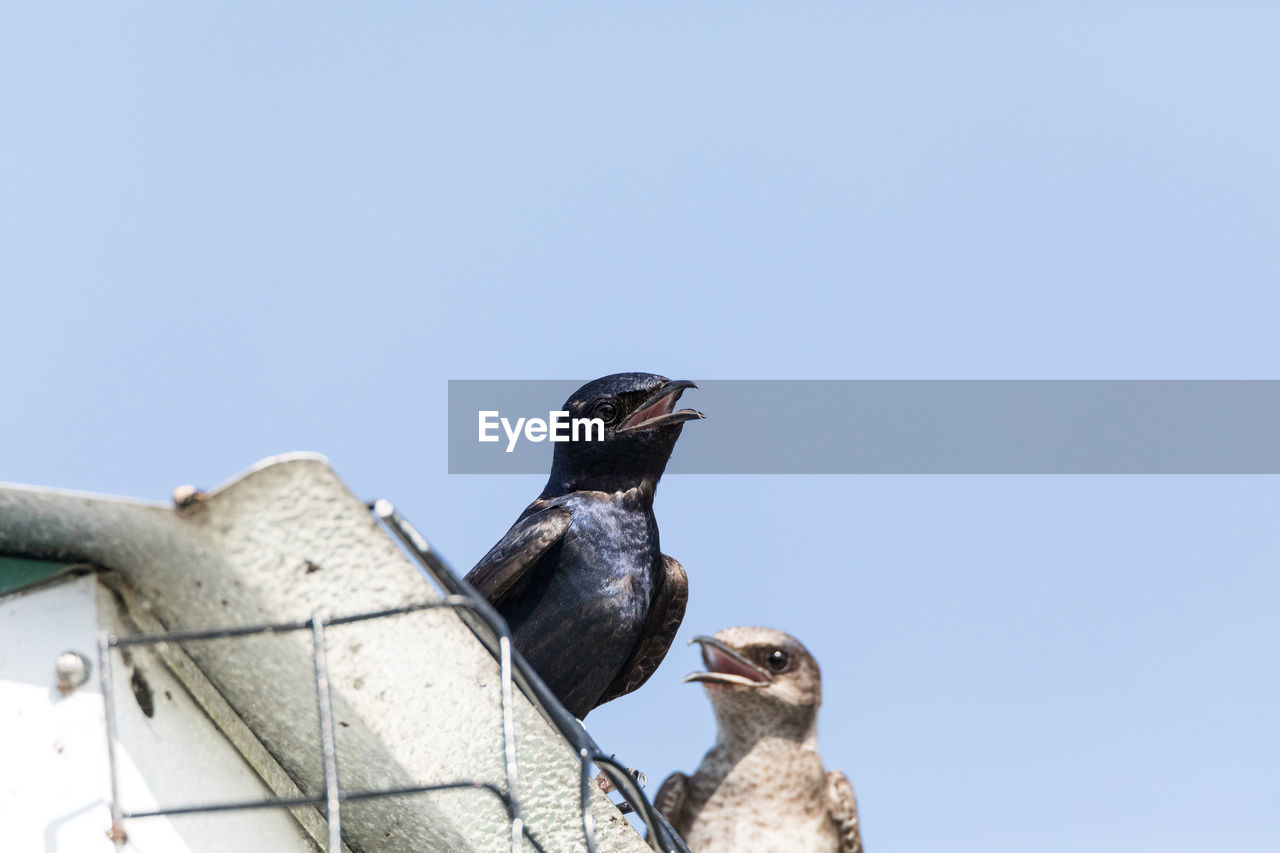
x: 327, y: 741
x: 509, y: 744
x: 207, y: 634
x: 584, y: 795
x: 318, y: 799
x: 452, y: 601
x: 116, y: 832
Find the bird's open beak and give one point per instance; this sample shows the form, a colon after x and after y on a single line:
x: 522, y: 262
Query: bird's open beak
x: 659, y: 410
x: 725, y: 666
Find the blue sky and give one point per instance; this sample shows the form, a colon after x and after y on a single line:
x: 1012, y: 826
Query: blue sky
x: 232, y: 231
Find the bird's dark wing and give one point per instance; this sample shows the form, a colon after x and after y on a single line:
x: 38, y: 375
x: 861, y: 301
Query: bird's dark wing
x: 506, y: 566
x: 670, y: 799
x: 660, y: 626
x: 842, y: 805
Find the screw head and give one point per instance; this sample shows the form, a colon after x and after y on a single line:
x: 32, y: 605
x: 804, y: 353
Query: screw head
x: 73, y: 671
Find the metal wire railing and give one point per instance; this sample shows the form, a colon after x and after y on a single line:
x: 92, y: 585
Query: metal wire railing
x: 489, y: 627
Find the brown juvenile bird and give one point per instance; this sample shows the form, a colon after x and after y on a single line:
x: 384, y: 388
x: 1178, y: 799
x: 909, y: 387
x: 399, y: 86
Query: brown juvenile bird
x: 762, y: 787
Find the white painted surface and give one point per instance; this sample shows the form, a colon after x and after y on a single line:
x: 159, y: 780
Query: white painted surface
x: 54, y: 780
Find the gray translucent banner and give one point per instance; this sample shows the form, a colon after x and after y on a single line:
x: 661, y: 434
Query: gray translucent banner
x: 917, y: 427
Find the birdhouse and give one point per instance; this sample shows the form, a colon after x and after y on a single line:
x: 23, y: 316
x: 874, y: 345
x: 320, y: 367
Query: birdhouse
x: 273, y: 666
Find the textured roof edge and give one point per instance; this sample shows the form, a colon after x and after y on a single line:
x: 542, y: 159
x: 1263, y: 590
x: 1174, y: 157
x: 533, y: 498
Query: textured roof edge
x: 291, y: 456
x: 267, y: 462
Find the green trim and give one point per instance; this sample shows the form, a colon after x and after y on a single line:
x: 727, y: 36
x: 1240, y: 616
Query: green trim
x: 16, y: 573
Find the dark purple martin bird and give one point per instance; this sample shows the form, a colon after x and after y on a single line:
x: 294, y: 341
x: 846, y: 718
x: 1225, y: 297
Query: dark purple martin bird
x: 592, y: 602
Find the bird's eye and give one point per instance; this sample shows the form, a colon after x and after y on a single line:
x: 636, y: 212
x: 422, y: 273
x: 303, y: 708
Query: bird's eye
x: 606, y: 412
x: 778, y: 660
